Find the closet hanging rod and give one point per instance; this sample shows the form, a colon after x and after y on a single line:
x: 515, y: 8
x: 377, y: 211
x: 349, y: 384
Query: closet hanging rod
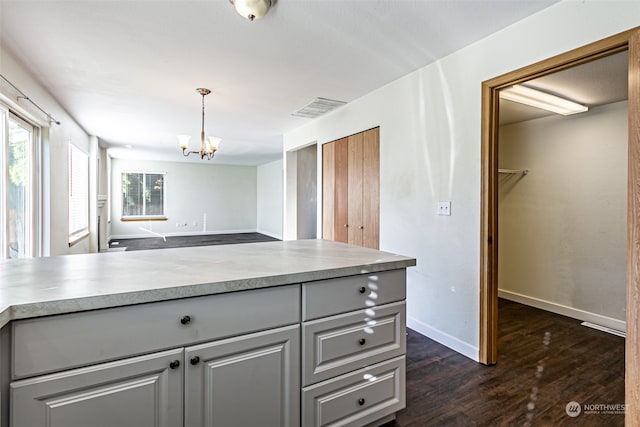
x: 23, y: 96
x: 514, y: 171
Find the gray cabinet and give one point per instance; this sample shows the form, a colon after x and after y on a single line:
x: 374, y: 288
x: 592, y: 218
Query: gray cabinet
x: 241, y: 381
x: 244, y: 381
x: 323, y: 353
x: 353, y: 350
x: 227, y: 353
x: 142, y: 391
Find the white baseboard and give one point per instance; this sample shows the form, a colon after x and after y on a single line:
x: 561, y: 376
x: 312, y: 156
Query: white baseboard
x: 443, y: 338
x: 183, y: 233
x: 564, y: 310
x: 267, y: 233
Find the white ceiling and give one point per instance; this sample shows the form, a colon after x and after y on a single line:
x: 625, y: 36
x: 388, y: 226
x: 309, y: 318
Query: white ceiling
x: 127, y: 70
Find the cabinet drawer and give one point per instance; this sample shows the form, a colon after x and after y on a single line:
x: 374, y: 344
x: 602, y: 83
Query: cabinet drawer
x: 358, y: 398
x: 61, y: 342
x: 343, y: 343
x: 333, y: 296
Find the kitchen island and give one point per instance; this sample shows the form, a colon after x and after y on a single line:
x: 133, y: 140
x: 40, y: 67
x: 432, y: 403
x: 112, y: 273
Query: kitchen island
x: 291, y: 333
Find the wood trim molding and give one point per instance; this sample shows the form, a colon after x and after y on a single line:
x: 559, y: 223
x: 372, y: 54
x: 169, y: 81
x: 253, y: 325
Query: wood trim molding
x: 581, y: 55
x: 632, y: 350
x: 489, y: 210
x: 144, y: 218
x: 488, y: 349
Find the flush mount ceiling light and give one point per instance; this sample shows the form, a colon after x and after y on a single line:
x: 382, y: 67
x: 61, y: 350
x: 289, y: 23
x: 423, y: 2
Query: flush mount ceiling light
x: 546, y: 101
x: 252, y: 9
x: 209, y: 146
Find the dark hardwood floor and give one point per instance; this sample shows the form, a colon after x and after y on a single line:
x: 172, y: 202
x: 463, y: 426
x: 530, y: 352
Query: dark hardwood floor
x: 188, y: 241
x: 545, y: 361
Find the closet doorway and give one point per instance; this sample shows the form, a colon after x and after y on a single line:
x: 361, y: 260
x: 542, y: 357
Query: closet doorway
x: 562, y: 194
x: 630, y: 41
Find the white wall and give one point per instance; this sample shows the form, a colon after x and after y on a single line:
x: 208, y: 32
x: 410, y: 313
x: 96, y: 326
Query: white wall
x: 562, y: 227
x: 430, y: 150
x: 208, y: 198
x: 55, y: 143
x: 270, y: 187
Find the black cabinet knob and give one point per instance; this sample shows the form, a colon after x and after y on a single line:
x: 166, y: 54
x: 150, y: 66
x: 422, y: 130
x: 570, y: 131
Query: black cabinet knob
x: 185, y: 320
x: 362, y: 341
x: 362, y: 289
x: 175, y: 364
x: 361, y: 401
x: 194, y: 360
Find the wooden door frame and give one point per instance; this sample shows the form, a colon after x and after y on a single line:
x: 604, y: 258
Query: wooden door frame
x: 626, y: 41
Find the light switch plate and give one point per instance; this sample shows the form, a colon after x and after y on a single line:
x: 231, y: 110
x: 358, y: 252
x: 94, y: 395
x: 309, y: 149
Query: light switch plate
x: 444, y: 208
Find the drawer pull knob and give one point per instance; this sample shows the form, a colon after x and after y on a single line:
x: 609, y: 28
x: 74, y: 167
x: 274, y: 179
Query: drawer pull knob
x: 175, y: 364
x: 195, y: 360
x: 362, y: 227
x: 362, y: 289
x: 185, y: 320
x: 362, y: 341
x: 346, y: 225
x: 361, y: 401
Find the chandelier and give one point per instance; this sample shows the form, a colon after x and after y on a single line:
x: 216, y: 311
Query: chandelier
x: 209, y: 146
x: 252, y: 9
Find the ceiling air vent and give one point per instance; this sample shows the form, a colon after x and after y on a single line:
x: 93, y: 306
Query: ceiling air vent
x: 318, y: 107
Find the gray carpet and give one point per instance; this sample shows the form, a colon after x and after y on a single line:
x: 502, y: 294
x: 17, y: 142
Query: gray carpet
x: 186, y: 241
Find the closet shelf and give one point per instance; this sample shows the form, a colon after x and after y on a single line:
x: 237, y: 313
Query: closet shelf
x: 514, y: 171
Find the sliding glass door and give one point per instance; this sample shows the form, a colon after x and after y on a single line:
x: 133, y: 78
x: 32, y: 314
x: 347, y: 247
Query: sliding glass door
x: 18, y: 229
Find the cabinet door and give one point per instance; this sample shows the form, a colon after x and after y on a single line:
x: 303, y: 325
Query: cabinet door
x: 143, y: 391
x: 251, y: 380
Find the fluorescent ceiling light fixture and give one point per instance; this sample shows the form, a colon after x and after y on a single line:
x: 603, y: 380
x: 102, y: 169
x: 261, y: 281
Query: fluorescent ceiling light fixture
x: 546, y: 101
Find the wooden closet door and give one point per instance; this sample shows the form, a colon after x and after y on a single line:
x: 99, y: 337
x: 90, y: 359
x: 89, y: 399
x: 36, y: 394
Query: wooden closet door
x: 356, y: 224
x: 328, y: 190
x: 371, y: 189
x: 341, y: 215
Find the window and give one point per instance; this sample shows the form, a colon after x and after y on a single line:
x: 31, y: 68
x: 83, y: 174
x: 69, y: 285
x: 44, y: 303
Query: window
x: 18, y: 230
x: 143, y: 195
x: 78, y: 194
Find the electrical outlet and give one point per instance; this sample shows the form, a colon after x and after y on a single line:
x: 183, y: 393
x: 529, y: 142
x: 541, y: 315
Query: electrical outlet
x: 444, y: 208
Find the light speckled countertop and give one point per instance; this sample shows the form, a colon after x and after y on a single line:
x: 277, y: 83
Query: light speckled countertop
x: 35, y: 287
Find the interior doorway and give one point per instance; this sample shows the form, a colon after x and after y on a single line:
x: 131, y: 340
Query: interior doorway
x: 630, y: 41
x: 302, y: 179
x: 562, y: 193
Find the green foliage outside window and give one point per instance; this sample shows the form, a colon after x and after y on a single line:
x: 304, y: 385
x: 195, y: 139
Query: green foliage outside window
x: 142, y: 194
